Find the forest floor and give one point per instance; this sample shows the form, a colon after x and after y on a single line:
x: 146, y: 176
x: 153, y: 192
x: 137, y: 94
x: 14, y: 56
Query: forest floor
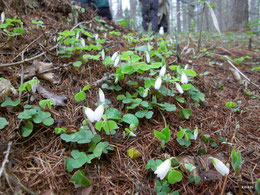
x: 37, y: 163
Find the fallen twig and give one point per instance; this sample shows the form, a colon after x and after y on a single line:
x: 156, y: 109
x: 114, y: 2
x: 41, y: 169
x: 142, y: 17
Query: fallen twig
x: 106, y: 77
x: 7, y: 152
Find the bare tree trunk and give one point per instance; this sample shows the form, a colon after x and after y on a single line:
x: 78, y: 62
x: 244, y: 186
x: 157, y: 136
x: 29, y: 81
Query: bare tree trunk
x: 119, y: 13
x: 219, y: 14
x: 206, y: 16
x: 133, y: 11
x: 184, y: 16
x: 239, y: 15
x: 191, y: 14
x: 178, y: 16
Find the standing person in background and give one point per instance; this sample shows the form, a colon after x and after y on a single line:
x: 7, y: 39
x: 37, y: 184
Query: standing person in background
x: 150, y: 14
x: 103, y: 9
x: 163, y: 15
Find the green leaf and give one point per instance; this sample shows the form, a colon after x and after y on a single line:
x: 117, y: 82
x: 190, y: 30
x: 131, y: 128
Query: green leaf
x: 180, y: 134
x: 130, y: 119
x: 174, y: 177
x: 3, y: 122
x: 48, y: 121
x: 149, y: 114
x: 166, y: 131
x: 82, y: 137
x: 141, y: 113
x: 99, y: 125
x: 230, y: 104
x: 99, y: 149
x: 27, y: 114
x: 159, y: 135
x: 120, y: 97
x: 190, y: 167
x: 80, y: 96
x: 9, y: 102
x: 186, y: 87
x: 80, y: 179
x: 78, y: 160
x: 109, y: 126
x: 185, y: 113
x: 77, y: 64
x: 169, y: 107
x: 257, y: 186
x: 133, y: 153
x: 236, y: 160
x: 113, y: 113
x: 27, y: 129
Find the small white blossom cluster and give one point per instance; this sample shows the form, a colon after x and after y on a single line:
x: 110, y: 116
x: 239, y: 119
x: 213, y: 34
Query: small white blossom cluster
x: 95, y: 116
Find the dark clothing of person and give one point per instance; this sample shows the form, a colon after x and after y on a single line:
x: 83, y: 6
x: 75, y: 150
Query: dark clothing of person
x: 164, y: 23
x: 102, y: 7
x: 84, y: 2
x: 149, y: 14
x: 104, y: 12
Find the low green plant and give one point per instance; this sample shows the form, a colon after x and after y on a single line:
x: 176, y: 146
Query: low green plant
x: 234, y: 106
x: 184, y: 136
x: 3, y: 122
x: 81, y: 96
x: 12, y: 27
x: 34, y: 114
x: 164, y: 135
x: 236, y: 160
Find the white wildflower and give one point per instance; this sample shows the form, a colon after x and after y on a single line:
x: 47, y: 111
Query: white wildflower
x: 158, y: 83
x: 162, y: 71
x: 163, y: 169
x: 179, y: 88
x: 101, y: 96
x: 220, y: 166
x: 184, y: 78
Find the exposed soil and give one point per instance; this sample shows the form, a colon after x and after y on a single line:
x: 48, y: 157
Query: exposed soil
x: 38, y: 162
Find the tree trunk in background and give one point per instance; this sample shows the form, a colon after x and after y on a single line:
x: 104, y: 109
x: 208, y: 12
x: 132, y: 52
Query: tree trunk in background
x: 206, y: 18
x: 239, y: 15
x: 218, y: 12
x: 119, y: 13
x: 191, y: 15
x: 133, y: 11
x: 184, y: 16
x: 178, y: 16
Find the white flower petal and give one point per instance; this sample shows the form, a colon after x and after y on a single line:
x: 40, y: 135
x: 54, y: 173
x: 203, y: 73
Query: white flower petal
x: 158, y: 83
x: 2, y: 17
x: 196, y: 132
x: 163, y: 169
x: 82, y: 42
x: 89, y: 114
x: 220, y: 166
x: 101, y: 96
x: 145, y: 94
x: 179, y: 88
x: 162, y: 71
x: 99, y: 112
x: 184, y: 78
x: 148, y: 59
x: 114, y: 56
x: 103, y: 55
x: 116, y: 63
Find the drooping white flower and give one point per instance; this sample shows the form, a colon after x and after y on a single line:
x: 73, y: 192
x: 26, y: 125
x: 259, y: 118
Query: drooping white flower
x: 101, y: 96
x: 116, y: 63
x: 77, y: 35
x: 145, y: 94
x: 2, y: 17
x: 184, y: 78
x: 89, y: 114
x: 162, y: 71
x: 34, y: 84
x: 220, y: 166
x: 196, y: 132
x: 158, y: 83
x: 82, y: 42
x: 148, y: 58
x: 179, y: 88
x: 103, y: 55
x: 99, y: 112
x: 114, y: 56
x: 163, y: 168
x: 94, y: 115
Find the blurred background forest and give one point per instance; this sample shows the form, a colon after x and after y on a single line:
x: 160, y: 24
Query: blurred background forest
x: 232, y: 15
